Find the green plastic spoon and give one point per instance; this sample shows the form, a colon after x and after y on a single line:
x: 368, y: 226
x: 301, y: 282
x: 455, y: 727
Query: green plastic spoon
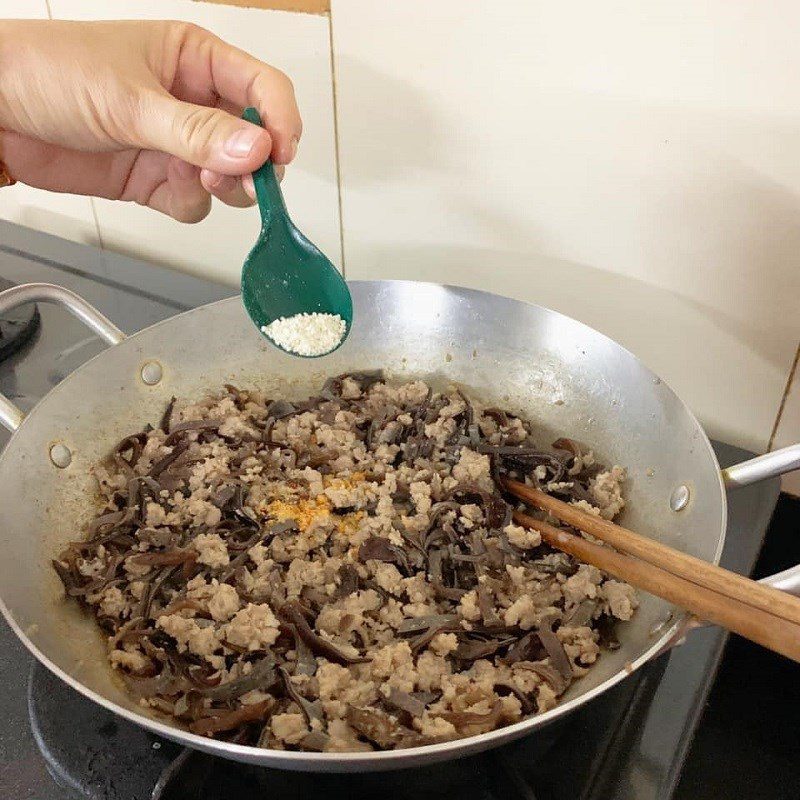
x: 285, y: 274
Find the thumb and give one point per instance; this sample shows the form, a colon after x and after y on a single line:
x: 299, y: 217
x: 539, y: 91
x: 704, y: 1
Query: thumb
x: 206, y: 137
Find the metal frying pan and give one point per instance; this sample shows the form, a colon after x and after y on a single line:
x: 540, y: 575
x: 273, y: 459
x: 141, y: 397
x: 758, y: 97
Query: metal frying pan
x: 566, y: 377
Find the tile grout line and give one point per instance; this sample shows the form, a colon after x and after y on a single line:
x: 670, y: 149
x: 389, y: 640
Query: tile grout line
x: 100, y: 242
x: 91, y: 200
x: 782, y: 406
x: 336, y: 156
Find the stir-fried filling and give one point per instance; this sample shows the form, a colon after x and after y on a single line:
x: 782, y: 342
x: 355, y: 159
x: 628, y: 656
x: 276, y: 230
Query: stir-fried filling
x: 342, y: 574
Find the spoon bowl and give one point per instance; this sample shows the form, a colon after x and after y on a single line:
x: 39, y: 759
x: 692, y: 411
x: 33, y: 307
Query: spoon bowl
x: 285, y: 274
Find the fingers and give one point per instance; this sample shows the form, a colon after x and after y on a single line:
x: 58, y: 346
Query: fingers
x: 162, y: 182
x: 151, y: 179
x: 48, y: 166
x: 206, y: 137
x: 227, y: 188
x: 198, y: 120
x: 242, y: 80
x: 181, y: 195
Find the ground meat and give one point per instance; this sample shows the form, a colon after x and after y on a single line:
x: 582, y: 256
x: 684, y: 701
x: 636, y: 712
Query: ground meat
x: 211, y: 550
x: 94, y: 567
x: 344, y: 739
x: 289, y: 728
x: 350, y: 389
x: 468, y: 607
x: 473, y: 468
x: 580, y: 644
x: 522, y: 537
x: 394, y: 666
x: 620, y: 599
x: 431, y: 668
x: 585, y: 505
x: 254, y: 627
x: 221, y: 600
x: 155, y: 515
x: 112, y: 603
x: 583, y: 584
x: 387, y: 577
x: 189, y: 634
x: 129, y: 661
x: 333, y: 564
x: 444, y: 643
x: 435, y: 728
x: 522, y: 612
x: 606, y: 490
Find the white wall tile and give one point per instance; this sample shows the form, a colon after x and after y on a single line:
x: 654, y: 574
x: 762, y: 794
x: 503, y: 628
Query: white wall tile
x: 788, y: 430
x: 299, y: 45
x: 23, y: 9
x: 64, y: 215
x: 633, y: 165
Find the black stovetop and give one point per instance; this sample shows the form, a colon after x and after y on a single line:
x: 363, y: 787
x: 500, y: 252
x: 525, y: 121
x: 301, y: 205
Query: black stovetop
x: 17, y: 327
x: 628, y: 744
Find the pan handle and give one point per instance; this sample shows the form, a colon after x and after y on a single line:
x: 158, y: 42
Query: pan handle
x: 11, y: 416
x: 770, y: 465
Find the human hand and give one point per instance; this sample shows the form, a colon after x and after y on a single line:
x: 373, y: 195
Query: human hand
x: 141, y: 111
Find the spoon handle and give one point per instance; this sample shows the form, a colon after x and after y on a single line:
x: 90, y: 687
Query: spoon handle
x: 268, y: 190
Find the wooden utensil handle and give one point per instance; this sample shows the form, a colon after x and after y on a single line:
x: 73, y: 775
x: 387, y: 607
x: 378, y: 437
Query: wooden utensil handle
x: 775, y: 633
x: 700, y: 572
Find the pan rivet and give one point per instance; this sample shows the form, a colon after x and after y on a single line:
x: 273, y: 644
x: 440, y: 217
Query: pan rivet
x: 679, y: 498
x: 60, y: 455
x: 151, y: 372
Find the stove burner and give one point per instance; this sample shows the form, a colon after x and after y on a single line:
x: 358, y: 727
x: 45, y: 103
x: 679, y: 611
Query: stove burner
x: 89, y: 751
x: 18, y: 326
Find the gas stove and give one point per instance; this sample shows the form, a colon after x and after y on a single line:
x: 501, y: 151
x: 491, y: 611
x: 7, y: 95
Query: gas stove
x: 628, y: 744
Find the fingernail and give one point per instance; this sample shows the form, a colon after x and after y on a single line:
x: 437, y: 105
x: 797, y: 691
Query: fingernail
x: 241, y: 143
x: 295, y: 141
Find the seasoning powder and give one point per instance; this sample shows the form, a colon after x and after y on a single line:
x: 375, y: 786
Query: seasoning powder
x: 307, y: 334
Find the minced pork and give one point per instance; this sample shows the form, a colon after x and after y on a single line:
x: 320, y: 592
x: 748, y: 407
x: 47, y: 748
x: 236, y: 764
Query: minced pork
x: 342, y: 574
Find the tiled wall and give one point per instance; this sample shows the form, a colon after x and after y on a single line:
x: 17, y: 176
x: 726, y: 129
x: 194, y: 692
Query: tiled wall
x: 634, y: 165
x: 63, y: 215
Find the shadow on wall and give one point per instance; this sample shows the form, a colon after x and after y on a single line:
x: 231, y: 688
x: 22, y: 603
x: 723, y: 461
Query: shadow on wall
x: 660, y: 326
x: 730, y: 250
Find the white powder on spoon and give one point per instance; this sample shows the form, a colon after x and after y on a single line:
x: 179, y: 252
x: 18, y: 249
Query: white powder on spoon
x: 307, y: 334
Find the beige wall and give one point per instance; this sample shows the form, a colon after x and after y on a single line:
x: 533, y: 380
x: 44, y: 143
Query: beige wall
x: 636, y: 166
